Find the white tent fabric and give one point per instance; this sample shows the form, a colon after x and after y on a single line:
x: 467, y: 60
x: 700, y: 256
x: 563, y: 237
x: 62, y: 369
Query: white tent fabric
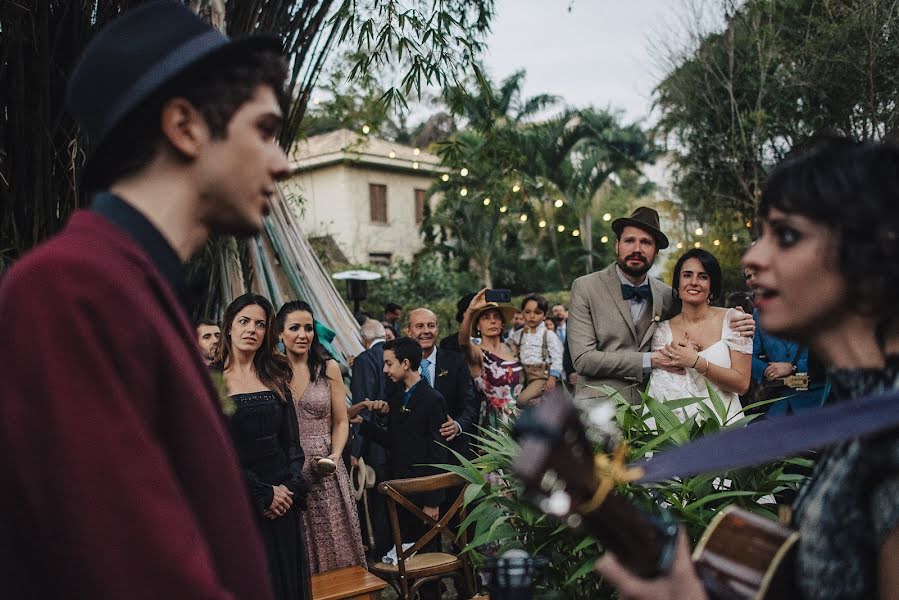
x: 285, y: 267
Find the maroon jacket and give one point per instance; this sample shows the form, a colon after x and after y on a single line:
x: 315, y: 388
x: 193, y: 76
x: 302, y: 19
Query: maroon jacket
x: 118, y: 476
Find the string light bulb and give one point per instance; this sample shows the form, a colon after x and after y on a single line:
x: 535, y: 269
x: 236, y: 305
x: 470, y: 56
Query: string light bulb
x: 503, y: 209
x: 516, y: 188
x: 680, y: 245
x: 717, y: 242
x: 486, y: 201
x: 604, y: 239
x: 560, y: 228
x: 575, y: 233
x: 463, y: 172
x: 699, y: 231
x: 445, y: 177
x: 523, y: 218
x: 391, y: 154
x: 748, y: 224
x: 463, y: 192
x: 416, y: 151
x: 607, y: 217
x: 734, y: 238
x: 366, y: 129
x: 415, y: 165
x: 697, y: 245
x: 558, y: 203
x: 542, y: 223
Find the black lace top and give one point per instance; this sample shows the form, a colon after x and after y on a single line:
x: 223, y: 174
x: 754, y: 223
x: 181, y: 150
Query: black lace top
x: 851, y: 504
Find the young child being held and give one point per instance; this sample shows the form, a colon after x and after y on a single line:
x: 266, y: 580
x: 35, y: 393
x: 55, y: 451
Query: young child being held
x: 538, y: 349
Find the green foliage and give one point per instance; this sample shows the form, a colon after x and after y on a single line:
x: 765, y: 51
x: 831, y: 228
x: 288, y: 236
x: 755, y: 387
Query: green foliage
x: 737, y: 101
x: 503, y: 520
x: 500, y: 219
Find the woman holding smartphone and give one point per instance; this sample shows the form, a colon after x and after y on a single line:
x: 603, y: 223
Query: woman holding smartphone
x: 496, y: 371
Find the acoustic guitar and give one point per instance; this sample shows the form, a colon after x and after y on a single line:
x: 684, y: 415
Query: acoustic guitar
x: 741, y: 555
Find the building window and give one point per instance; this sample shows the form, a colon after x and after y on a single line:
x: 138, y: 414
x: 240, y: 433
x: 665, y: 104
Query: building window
x: 421, y: 197
x: 379, y: 258
x: 377, y: 199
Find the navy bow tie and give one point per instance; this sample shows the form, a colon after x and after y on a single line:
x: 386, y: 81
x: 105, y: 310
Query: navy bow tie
x: 641, y: 292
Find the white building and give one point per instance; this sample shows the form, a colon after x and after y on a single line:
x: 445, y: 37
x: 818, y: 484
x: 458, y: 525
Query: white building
x: 366, y: 194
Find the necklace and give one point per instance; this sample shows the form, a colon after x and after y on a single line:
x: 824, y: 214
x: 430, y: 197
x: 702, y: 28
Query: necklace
x: 693, y: 330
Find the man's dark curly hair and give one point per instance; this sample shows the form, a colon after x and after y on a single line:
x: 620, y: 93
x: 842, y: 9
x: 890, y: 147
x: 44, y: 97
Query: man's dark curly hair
x: 217, y: 88
x: 853, y: 189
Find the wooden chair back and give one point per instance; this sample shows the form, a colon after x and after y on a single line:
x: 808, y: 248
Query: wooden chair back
x: 397, y: 491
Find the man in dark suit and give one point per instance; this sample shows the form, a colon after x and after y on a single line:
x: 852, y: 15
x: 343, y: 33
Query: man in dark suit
x: 448, y: 373
x: 412, y: 436
x: 369, y: 382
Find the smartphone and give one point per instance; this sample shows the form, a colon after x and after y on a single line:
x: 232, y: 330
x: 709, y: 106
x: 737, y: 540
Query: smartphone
x: 498, y: 296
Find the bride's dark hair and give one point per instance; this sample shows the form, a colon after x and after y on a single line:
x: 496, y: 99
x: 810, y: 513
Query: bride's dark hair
x: 709, y: 263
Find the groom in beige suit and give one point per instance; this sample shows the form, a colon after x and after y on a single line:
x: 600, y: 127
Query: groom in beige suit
x: 614, y: 313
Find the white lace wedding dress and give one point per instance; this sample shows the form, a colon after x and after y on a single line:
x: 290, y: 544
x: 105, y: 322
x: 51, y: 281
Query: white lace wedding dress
x: 671, y: 386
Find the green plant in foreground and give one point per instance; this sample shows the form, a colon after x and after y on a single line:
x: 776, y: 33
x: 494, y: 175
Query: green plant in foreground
x: 503, y: 520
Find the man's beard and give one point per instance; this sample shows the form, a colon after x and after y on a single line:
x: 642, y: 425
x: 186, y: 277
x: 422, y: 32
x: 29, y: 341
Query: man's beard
x: 634, y: 271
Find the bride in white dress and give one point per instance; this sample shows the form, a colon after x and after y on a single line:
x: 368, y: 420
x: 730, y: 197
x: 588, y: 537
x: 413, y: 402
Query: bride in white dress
x: 700, y: 342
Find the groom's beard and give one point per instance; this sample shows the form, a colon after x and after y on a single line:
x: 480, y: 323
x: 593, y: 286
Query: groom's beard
x: 634, y: 271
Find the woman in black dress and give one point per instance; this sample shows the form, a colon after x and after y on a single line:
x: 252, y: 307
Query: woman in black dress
x: 264, y: 428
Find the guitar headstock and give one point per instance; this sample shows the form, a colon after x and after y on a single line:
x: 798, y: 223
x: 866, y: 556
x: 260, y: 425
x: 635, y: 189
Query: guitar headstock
x: 556, y: 463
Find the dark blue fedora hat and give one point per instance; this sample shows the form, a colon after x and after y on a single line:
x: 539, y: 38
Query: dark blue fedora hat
x: 134, y: 56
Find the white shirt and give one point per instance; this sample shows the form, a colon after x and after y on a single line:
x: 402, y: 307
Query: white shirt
x: 432, y: 368
x: 638, y: 307
x: 530, y: 348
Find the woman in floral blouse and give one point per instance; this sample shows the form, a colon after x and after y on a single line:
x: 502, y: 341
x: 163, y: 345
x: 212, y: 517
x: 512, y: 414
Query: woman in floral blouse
x: 494, y: 367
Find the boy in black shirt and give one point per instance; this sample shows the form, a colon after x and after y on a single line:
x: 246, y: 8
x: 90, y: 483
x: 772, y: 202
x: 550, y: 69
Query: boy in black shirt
x: 416, y: 413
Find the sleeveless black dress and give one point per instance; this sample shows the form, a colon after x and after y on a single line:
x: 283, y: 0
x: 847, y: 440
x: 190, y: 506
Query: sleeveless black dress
x: 265, y: 434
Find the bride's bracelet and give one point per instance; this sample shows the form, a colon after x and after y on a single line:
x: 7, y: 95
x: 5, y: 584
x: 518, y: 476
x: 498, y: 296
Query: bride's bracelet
x: 695, y: 362
x: 708, y: 366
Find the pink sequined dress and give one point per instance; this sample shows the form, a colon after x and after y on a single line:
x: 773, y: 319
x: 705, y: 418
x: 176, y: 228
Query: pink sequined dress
x: 333, y: 536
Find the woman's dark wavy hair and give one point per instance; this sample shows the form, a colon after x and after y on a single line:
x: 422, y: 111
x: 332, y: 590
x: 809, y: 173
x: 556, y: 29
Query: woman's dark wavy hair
x: 852, y: 188
x: 318, y: 356
x: 271, y: 366
x: 709, y: 263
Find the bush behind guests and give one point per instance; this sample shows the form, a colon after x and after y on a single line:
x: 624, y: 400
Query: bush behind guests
x: 503, y: 520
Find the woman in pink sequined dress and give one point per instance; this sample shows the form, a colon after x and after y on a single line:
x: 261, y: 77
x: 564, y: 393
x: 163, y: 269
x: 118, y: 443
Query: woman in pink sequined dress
x: 331, y: 523
x: 494, y: 367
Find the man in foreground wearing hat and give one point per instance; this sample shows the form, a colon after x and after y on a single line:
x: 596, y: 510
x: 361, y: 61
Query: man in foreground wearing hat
x: 614, y: 313
x: 120, y: 479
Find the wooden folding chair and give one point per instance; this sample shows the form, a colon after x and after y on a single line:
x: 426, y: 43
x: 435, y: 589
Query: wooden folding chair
x: 411, y: 572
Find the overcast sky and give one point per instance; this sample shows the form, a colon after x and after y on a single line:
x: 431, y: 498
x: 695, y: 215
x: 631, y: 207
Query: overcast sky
x: 597, y: 53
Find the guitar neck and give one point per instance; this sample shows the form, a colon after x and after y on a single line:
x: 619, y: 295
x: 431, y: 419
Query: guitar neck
x: 642, y: 542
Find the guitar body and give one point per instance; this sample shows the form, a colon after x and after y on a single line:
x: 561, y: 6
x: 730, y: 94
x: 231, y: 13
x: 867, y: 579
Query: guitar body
x: 742, y: 555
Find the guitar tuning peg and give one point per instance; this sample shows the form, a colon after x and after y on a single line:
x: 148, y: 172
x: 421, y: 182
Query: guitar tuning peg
x: 558, y: 503
x: 549, y: 481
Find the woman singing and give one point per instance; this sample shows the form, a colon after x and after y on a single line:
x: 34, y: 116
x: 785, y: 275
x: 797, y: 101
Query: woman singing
x: 827, y: 275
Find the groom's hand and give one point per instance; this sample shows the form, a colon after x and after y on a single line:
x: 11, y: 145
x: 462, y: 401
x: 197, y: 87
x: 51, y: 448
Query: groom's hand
x: 660, y: 361
x: 742, y: 323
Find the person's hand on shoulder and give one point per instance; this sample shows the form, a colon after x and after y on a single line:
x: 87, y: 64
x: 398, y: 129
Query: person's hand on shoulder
x: 742, y: 323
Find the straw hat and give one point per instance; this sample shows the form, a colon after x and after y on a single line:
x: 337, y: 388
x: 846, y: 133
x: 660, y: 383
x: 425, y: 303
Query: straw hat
x: 506, y: 310
x: 361, y: 477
